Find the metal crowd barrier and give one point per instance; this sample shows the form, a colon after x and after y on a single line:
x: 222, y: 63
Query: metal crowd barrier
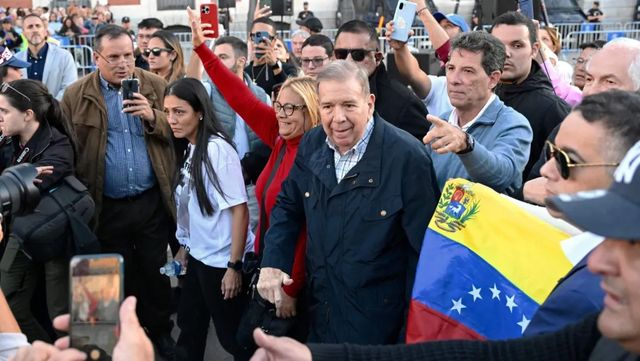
x: 574, y: 39
x: 83, y: 57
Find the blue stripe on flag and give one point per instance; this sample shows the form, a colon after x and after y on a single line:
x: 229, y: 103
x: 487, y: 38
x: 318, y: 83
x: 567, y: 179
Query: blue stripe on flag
x: 456, y: 282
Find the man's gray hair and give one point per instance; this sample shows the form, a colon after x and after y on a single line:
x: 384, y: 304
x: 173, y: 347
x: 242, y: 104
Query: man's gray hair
x: 341, y: 70
x: 492, y: 49
x: 632, y: 46
x: 300, y: 32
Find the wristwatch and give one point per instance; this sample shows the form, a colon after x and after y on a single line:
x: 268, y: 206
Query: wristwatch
x: 277, y: 65
x: 236, y: 266
x: 471, y: 143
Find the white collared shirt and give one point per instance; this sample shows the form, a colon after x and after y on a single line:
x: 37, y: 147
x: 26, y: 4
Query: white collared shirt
x: 453, y: 117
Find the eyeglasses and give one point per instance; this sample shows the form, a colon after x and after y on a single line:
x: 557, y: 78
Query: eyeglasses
x: 316, y: 61
x: 115, y: 59
x: 356, y: 54
x: 565, y: 163
x: 155, y: 51
x: 580, y: 60
x: 5, y: 86
x: 287, y: 107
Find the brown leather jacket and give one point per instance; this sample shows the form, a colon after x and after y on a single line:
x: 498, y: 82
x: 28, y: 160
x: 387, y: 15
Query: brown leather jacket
x: 84, y: 106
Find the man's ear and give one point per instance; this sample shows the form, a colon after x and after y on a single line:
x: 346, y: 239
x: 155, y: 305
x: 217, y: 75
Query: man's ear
x: 379, y: 57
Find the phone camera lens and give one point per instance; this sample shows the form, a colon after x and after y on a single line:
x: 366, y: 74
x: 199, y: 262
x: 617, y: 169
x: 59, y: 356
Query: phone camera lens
x: 401, y: 6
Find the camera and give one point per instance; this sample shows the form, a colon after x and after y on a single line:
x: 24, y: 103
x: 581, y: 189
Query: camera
x: 205, y: 10
x: 18, y: 194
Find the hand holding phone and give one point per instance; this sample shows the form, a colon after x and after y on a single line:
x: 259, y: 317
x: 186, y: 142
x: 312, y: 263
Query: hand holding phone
x: 209, y: 15
x: 403, y: 20
x: 96, y: 290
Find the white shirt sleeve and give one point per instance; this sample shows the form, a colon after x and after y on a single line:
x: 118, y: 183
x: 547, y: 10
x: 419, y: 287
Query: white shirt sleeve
x: 226, y: 165
x: 10, y: 343
x: 437, y: 101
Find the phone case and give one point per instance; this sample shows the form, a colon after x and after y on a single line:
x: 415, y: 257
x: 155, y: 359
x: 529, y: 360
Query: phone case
x: 209, y: 15
x: 402, y: 20
x: 128, y: 87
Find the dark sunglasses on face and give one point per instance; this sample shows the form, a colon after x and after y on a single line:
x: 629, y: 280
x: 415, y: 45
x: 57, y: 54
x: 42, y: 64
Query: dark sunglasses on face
x: 156, y: 51
x: 356, y: 54
x: 287, y: 107
x: 565, y: 163
x: 317, y: 62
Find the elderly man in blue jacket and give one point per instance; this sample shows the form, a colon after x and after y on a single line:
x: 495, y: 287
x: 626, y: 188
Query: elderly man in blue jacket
x: 367, y: 191
x: 481, y: 139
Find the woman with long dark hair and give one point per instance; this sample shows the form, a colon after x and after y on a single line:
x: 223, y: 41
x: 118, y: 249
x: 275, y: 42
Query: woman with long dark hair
x: 34, y: 130
x: 165, y: 57
x: 213, y: 221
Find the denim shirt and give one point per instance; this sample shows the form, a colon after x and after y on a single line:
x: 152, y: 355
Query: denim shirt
x: 128, y: 170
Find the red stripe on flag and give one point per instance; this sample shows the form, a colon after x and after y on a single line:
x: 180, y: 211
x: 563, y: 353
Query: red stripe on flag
x: 424, y: 324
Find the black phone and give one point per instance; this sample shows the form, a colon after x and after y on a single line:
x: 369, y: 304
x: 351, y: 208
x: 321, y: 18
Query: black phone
x: 96, y: 291
x: 128, y: 87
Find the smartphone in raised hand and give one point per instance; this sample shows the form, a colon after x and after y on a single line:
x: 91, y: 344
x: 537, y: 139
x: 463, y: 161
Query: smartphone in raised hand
x: 403, y: 20
x: 96, y: 291
x: 209, y: 15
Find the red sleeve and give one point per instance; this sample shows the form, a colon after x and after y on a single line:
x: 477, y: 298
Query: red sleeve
x: 443, y: 51
x: 258, y: 115
x: 297, y: 271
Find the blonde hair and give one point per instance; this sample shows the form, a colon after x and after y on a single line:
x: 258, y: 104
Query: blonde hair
x: 555, y: 39
x: 305, y: 87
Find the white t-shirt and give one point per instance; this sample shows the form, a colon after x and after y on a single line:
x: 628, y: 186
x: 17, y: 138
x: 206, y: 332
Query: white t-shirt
x: 437, y: 101
x: 10, y: 343
x: 209, y: 237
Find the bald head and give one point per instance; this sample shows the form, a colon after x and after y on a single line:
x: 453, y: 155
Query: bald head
x: 615, y: 66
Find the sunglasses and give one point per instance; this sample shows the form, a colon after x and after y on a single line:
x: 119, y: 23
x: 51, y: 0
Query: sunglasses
x: 5, y: 86
x: 155, y: 51
x: 317, y: 62
x: 287, y: 107
x: 565, y: 163
x: 356, y: 54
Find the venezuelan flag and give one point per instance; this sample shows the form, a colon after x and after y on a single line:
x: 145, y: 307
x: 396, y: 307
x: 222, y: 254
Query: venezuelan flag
x: 485, y: 267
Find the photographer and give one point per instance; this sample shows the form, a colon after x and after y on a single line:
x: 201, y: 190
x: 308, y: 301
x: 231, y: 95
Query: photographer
x: 34, y: 131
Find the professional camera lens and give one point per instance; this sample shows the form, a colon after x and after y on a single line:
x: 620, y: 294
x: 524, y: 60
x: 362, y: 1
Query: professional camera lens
x: 18, y: 194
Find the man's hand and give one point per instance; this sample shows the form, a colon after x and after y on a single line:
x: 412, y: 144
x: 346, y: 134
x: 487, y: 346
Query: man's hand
x: 270, y: 284
x: 231, y: 283
x: 444, y: 137
x: 279, y: 348
x: 268, y: 53
x: 287, y: 307
x: 261, y: 12
x: 534, y: 191
x: 394, y: 44
x: 139, y: 106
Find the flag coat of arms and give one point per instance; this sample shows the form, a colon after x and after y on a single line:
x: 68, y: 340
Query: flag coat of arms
x: 485, y: 267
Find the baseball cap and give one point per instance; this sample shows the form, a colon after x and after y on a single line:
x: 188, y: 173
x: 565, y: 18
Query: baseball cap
x: 312, y: 23
x: 455, y: 19
x: 8, y: 59
x: 613, y: 212
x: 126, y: 19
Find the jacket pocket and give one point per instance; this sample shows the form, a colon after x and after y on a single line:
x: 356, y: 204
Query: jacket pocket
x: 383, y: 209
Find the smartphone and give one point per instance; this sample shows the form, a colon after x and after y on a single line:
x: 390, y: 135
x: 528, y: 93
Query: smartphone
x: 96, y: 291
x: 128, y: 87
x: 209, y: 15
x: 402, y: 20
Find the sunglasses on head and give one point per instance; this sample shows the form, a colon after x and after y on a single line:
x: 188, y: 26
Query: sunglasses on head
x: 156, y: 51
x: 5, y: 86
x: 564, y: 163
x: 356, y: 54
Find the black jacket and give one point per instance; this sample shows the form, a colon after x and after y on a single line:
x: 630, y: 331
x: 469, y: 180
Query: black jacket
x: 263, y: 76
x: 534, y: 98
x: 579, y: 342
x: 48, y: 146
x: 397, y: 104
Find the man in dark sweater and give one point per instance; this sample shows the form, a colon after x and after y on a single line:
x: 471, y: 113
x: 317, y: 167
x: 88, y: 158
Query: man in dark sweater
x: 524, y: 86
x: 613, y: 335
x: 357, y: 41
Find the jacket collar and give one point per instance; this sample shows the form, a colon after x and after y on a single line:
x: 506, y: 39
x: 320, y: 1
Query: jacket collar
x: 364, y: 174
x: 91, y: 89
x: 37, y: 144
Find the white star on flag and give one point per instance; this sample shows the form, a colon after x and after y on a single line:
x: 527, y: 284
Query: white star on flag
x: 495, y: 292
x: 524, y: 323
x: 475, y: 292
x: 510, y: 303
x: 458, y: 306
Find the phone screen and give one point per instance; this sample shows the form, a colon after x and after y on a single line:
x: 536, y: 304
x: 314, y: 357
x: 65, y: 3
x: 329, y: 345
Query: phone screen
x: 96, y: 293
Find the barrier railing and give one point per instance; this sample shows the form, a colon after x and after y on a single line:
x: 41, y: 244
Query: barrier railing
x: 83, y: 57
x: 574, y: 39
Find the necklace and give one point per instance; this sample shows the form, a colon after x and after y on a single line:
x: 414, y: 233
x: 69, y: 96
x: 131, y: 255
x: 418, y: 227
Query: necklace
x: 254, y: 77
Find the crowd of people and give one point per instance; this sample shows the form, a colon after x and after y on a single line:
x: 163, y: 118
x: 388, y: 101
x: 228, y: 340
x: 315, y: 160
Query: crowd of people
x: 319, y: 166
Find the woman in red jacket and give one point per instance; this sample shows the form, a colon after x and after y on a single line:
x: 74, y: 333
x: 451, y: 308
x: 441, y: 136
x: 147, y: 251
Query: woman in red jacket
x: 295, y: 111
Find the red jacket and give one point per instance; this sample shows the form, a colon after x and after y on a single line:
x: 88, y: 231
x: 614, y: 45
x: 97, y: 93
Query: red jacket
x: 263, y: 121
